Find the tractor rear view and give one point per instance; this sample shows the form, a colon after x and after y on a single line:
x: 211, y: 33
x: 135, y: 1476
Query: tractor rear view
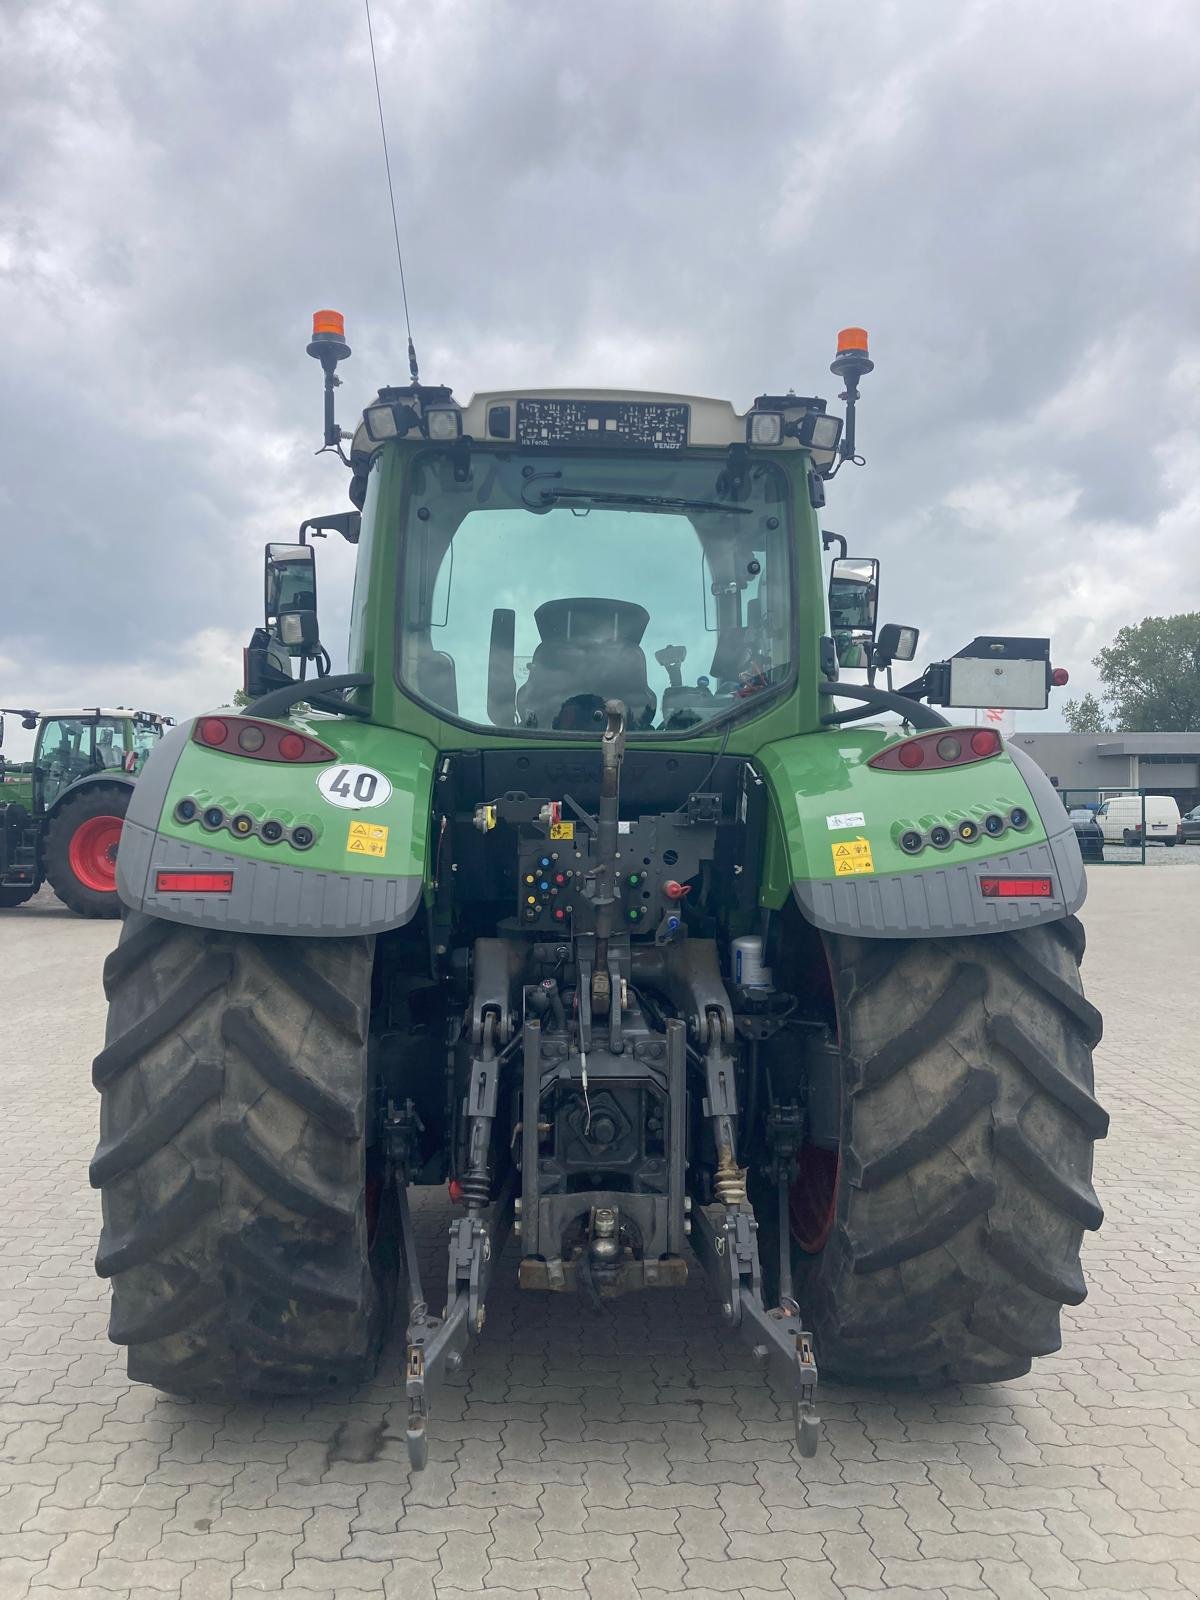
x: 596, y: 892
x: 61, y: 813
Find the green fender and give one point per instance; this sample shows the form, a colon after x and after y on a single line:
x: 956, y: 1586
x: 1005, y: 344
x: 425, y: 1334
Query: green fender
x: 364, y: 872
x: 834, y: 839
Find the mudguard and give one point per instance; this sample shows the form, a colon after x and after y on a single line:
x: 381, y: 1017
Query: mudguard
x: 838, y: 823
x: 363, y: 873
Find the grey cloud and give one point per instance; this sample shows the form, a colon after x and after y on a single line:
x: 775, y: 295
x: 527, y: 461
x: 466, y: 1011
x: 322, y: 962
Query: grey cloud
x: 695, y: 195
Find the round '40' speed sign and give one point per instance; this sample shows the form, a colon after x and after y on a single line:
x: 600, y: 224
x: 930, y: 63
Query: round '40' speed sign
x: 354, y: 788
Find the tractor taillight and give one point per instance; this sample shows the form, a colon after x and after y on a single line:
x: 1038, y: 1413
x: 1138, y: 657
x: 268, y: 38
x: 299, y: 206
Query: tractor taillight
x: 1016, y: 888
x: 261, y: 741
x: 949, y: 747
x: 194, y: 882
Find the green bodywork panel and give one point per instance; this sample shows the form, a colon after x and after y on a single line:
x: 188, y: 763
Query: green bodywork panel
x: 16, y: 786
x: 825, y: 775
x: 288, y: 793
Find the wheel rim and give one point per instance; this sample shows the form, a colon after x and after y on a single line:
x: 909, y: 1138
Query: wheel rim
x: 92, y: 853
x: 812, y: 1198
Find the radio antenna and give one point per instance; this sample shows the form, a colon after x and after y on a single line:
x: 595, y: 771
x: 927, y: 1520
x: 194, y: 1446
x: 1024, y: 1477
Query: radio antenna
x: 412, y: 354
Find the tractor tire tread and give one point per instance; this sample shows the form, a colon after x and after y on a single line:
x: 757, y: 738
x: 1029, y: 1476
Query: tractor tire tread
x: 918, y: 1144
x: 1084, y: 1107
x: 156, y: 1231
x: 241, y: 1028
x: 966, y: 984
x: 968, y: 1122
x: 232, y: 1162
x: 143, y: 1138
x: 208, y: 975
x: 234, y: 1140
x: 1078, y: 1200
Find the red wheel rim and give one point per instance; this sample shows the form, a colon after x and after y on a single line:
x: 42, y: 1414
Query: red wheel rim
x: 92, y: 853
x: 812, y: 1198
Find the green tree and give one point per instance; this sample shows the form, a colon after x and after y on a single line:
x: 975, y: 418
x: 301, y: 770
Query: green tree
x: 1085, y: 715
x: 1151, y: 675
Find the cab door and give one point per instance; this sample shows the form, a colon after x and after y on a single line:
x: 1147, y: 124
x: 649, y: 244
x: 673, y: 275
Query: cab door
x: 64, y: 753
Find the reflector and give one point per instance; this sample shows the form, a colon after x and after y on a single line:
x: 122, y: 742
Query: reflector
x: 1016, y: 888
x: 194, y: 882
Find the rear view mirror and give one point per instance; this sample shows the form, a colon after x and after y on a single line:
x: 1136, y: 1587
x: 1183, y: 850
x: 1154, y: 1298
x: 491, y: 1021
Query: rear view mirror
x: 853, y: 605
x: 290, y: 598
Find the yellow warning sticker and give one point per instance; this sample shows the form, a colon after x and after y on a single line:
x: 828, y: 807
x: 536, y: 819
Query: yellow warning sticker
x: 562, y: 830
x: 852, y: 855
x: 367, y: 839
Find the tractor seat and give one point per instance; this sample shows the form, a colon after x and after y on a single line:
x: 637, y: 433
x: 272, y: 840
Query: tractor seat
x: 590, y: 652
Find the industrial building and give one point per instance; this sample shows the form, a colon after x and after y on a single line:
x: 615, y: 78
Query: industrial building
x: 1109, y: 763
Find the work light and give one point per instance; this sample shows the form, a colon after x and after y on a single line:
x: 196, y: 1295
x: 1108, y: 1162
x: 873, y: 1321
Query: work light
x: 443, y: 422
x: 381, y: 423
x: 818, y: 431
x: 764, y: 428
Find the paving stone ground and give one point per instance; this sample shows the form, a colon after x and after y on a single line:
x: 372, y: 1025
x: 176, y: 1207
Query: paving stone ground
x: 636, y: 1453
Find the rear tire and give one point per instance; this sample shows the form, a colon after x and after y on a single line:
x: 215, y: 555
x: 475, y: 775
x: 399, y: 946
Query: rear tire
x: 1127, y: 837
x: 967, y: 1128
x: 85, y: 880
x: 10, y: 898
x: 233, y: 1162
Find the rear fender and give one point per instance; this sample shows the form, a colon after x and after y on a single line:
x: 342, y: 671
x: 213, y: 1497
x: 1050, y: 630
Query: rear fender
x: 93, y: 780
x: 364, y: 872
x: 837, y: 825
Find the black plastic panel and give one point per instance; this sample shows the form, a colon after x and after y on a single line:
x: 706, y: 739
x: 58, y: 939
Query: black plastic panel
x: 611, y: 424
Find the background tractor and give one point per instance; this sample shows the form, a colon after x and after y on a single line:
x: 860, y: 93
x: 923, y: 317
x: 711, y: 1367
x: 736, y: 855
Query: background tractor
x: 584, y: 893
x: 61, y: 813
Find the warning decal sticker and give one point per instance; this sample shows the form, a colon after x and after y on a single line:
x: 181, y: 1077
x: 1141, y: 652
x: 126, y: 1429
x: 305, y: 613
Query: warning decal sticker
x: 562, y: 830
x: 852, y: 855
x: 845, y: 819
x: 367, y: 839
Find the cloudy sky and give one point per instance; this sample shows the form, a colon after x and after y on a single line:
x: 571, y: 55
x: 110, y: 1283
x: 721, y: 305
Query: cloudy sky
x: 687, y: 196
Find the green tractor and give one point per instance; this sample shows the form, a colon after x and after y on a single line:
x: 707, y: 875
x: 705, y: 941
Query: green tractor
x: 61, y: 813
x: 591, y: 892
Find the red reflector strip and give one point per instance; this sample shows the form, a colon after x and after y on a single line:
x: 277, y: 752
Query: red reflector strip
x: 194, y: 882
x: 1016, y: 888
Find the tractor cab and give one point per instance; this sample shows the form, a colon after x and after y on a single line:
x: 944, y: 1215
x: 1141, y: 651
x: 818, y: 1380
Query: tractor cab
x: 61, y: 813
x: 77, y: 744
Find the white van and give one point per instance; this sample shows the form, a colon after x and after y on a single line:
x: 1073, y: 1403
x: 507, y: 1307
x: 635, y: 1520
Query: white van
x: 1121, y: 819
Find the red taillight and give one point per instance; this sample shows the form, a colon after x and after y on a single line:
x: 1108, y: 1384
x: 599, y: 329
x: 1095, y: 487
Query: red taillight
x: 261, y: 741
x: 1059, y: 676
x: 194, y: 882
x: 949, y: 747
x: 1016, y: 888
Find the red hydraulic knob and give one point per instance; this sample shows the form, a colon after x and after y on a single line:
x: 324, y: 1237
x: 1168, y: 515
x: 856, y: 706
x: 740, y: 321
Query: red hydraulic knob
x: 675, y: 890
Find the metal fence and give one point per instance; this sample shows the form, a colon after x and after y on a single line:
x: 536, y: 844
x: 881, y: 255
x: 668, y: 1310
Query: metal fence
x: 1115, y: 853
